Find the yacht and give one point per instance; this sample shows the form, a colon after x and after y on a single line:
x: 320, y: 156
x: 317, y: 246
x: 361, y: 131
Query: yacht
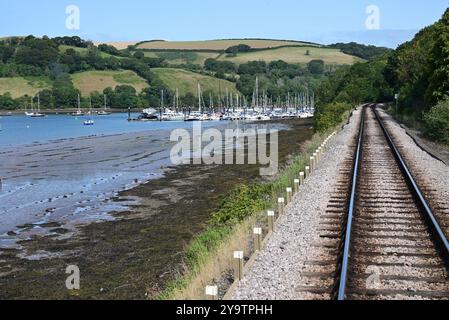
x: 149, y: 114
x: 105, y: 111
x: 194, y: 116
x: 90, y: 121
x: 170, y: 115
x: 35, y: 114
x: 78, y: 113
x: 216, y: 117
x: 198, y: 115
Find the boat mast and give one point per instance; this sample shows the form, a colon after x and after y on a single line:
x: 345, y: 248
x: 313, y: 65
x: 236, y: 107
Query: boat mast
x: 177, y: 100
x: 220, y: 101
x: 257, y: 93
x: 199, y: 99
x: 211, y: 103
x: 227, y: 100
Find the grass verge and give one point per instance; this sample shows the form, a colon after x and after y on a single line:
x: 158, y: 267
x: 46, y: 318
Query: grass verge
x: 209, y: 255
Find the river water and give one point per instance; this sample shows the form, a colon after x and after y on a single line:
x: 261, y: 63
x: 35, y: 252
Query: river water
x: 20, y: 130
x: 55, y: 169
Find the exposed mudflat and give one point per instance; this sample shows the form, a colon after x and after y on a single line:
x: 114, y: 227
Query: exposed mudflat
x: 136, y: 246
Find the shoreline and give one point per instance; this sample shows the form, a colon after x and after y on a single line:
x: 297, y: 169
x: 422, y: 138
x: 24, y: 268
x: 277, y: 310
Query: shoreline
x: 158, y: 229
x: 62, y: 111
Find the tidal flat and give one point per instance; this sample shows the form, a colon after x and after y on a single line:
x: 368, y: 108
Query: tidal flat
x: 130, y: 253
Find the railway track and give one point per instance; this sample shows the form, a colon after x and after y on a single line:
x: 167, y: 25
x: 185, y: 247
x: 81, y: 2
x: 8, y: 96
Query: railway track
x: 379, y: 237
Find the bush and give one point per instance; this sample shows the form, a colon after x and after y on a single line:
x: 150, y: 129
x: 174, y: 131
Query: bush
x: 6, y: 102
x: 243, y: 201
x: 316, y: 66
x: 330, y: 116
x: 239, y: 48
x: 436, y: 122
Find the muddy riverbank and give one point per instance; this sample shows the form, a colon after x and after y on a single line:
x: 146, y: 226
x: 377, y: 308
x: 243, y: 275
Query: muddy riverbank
x: 133, y: 256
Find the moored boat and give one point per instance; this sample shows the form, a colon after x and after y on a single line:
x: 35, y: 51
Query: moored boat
x: 105, y: 111
x: 78, y: 113
x: 37, y: 113
x: 148, y: 114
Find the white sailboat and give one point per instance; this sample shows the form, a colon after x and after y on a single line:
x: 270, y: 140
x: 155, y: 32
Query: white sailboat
x: 90, y: 121
x: 78, y: 113
x: 38, y: 114
x: 35, y: 114
x: 197, y: 115
x: 29, y: 114
x: 173, y: 115
x: 104, y: 112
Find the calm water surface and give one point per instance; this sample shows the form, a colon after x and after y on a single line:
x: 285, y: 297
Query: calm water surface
x: 55, y: 169
x: 20, y: 130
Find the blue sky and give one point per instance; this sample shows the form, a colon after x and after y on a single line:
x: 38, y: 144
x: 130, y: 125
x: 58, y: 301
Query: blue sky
x: 322, y: 21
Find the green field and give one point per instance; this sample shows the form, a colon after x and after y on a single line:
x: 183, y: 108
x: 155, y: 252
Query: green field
x: 82, y: 51
x: 187, y: 81
x: 269, y: 50
x: 177, y: 58
x: 20, y: 86
x: 120, y: 45
x: 216, y: 45
x: 294, y: 55
x: 90, y: 81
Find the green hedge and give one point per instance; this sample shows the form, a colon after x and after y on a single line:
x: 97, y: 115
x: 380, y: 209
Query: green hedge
x: 436, y: 122
x: 330, y: 115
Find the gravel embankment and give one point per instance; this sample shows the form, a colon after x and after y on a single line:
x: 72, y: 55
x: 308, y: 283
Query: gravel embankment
x: 277, y: 270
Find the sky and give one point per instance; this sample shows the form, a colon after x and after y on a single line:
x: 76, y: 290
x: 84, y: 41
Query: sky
x: 323, y: 21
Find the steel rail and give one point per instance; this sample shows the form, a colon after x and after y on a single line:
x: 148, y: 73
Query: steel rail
x: 350, y: 213
x: 436, y: 231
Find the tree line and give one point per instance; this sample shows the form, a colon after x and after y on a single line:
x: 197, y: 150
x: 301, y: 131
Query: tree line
x: 33, y: 56
x: 417, y: 73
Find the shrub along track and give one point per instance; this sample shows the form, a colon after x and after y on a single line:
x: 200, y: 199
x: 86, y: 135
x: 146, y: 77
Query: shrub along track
x: 380, y: 239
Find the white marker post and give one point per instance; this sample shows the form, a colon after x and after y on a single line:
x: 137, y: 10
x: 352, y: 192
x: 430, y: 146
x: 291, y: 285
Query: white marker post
x: 307, y: 171
x: 289, y: 194
x: 296, y: 183
x: 281, y: 204
x: 211, y: 293
x: 238, y: 269
x: 270, y: 221
x: 257, y: 239
x: 301, y: 178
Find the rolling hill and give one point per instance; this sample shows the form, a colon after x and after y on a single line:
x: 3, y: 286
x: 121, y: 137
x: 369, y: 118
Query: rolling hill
x: 187, y: 81
x: 187, y: 57
x: 295, y: 55
x: 83, y: 51
x: 180, y: 64
x: 196, y: 52
x: 20, y: 86
x: 90, y: 81
x: 217, y: 45
x: 120, y: 45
